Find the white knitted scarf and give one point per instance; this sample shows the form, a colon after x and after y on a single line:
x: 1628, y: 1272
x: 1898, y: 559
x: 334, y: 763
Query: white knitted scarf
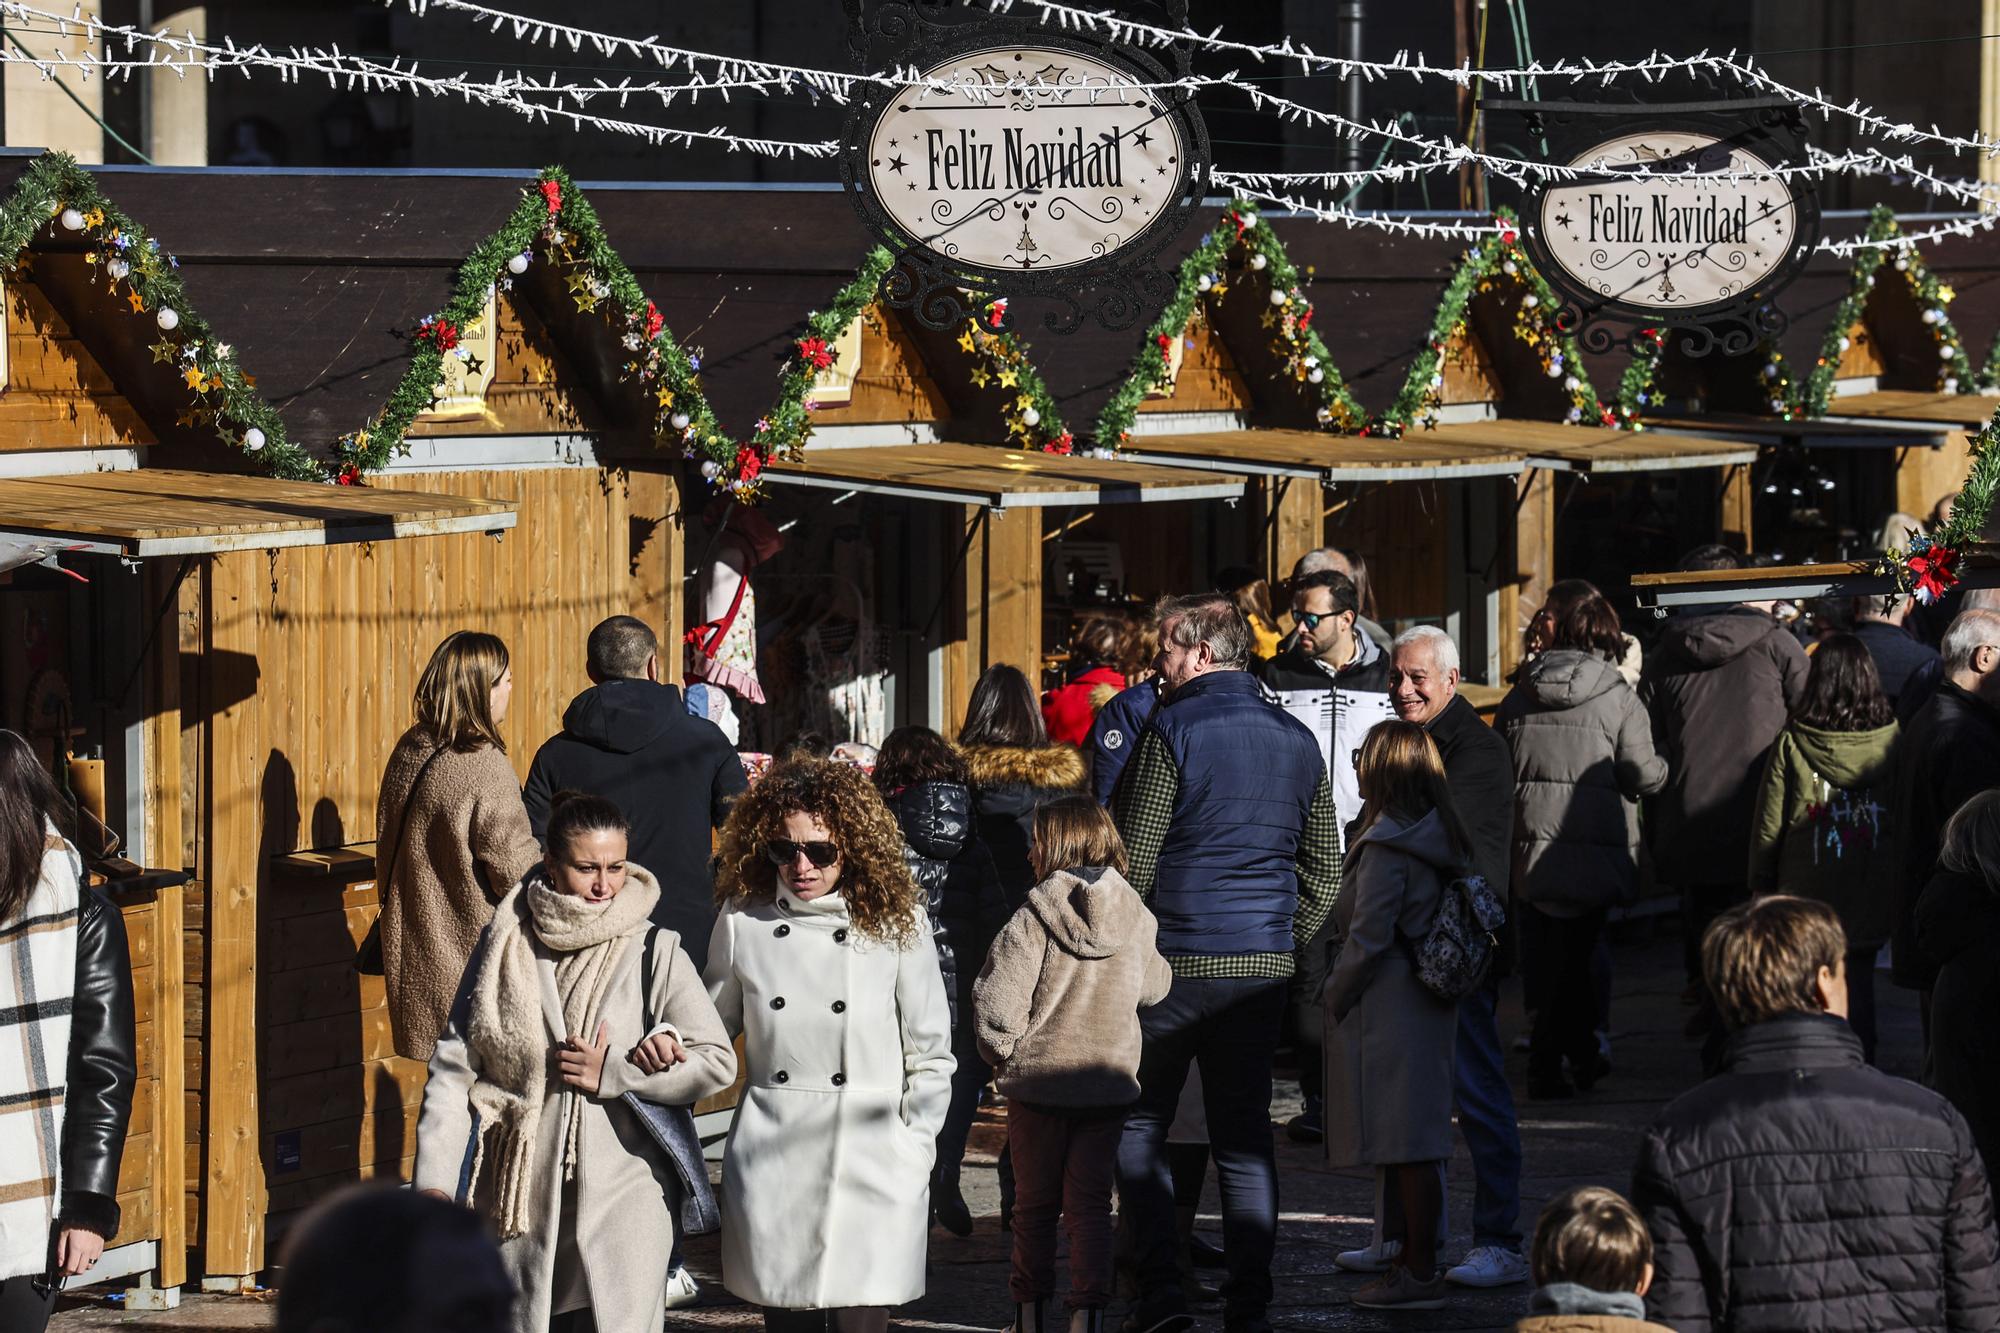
x: 504, y: 1028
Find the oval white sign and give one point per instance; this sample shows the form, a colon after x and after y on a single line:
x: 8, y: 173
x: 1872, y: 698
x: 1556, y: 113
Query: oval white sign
x: 1025, y: 158
x: 1673, y: 242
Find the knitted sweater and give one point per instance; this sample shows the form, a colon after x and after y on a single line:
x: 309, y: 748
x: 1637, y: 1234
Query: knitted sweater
x: 461, y: 841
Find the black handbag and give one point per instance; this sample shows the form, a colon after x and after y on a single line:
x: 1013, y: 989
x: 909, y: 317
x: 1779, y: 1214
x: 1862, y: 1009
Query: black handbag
x: 672, y: 1128
x: 368, y: 957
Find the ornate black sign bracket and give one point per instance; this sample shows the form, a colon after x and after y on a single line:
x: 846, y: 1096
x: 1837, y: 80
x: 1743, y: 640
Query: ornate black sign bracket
x: 1051, y: 178
x: 1684, y: 217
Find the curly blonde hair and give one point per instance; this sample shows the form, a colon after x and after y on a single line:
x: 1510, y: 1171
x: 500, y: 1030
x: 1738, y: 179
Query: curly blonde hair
x: 882, y: 898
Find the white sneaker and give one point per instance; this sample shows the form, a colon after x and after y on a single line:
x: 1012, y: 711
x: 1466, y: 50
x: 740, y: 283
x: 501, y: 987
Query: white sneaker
x: 1375, y: 1259
x: 1489, y: 1266
x: 682, y: 1289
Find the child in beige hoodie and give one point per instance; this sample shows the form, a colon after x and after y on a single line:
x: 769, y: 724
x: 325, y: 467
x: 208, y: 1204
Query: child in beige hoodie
x: 1057, y: 1006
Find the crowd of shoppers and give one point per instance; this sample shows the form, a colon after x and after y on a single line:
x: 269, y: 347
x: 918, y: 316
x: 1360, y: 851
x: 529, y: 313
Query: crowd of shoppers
x: 1105, y: 908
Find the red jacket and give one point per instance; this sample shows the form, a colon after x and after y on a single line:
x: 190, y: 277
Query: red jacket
x: 1070, y: 709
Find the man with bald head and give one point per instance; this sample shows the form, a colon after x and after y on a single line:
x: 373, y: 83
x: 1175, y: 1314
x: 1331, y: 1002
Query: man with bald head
x: 1479, y: 769
x: 1949, y: 753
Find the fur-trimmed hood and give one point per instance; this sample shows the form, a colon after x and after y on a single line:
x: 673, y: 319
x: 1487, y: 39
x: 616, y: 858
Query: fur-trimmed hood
x: 1059, y: 767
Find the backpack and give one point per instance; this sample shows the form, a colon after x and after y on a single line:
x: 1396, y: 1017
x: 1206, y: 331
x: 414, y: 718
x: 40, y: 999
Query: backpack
x: 1456, y: 953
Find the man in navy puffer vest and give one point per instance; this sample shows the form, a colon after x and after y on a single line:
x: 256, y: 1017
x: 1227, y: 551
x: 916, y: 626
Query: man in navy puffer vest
x: 1232, y: 839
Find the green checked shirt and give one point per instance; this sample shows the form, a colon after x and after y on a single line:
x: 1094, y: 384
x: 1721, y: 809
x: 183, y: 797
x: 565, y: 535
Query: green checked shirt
x: 1143, y: 809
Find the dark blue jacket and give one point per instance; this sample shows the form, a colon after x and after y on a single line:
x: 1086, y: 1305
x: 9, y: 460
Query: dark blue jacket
x: 1115, y: 732
x: 1227, y: 879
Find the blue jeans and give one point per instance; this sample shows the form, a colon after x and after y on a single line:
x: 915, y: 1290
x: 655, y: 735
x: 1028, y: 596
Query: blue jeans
x: 1486, y: 1118
x: 1229, y: 1027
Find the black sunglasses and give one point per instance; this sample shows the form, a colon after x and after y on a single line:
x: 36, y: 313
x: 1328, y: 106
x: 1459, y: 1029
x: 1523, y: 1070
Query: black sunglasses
x: 1312, y: 619
x: 783, y: 852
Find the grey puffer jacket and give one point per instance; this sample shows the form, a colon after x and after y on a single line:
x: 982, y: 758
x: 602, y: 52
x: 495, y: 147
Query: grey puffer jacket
x: 1583, y: 756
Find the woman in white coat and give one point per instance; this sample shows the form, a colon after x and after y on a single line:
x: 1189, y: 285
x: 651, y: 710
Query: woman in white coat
x: 822, y: 960
x: 552, y: 1026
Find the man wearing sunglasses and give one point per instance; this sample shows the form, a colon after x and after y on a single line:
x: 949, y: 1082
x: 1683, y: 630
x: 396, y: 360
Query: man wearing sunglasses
x: 1330, y: 651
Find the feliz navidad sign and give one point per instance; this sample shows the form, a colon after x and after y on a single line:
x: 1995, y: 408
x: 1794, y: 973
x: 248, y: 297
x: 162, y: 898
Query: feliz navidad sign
x: 1678, y: 218
x: 1055, y: 167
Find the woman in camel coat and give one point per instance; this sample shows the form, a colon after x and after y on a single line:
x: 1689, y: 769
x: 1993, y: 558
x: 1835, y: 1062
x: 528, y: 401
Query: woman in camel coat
x: 452, y: 835
x: 822, y: 959
x: 538, y: 1056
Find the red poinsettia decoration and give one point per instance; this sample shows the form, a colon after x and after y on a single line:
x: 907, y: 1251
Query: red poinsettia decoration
x: 748, y: 463
x: 1933, y: 571
x: 1061, y: 444
x: 1166, y: 342
x: 815, y: 353
x: 552, y: 192
x: 1507, y: 233
x: 996, y: 314
x: 655, y: 321
x: 1242, y: 223
x: 440, y: 333
x: 349, y: 475
x: 1306, y: 320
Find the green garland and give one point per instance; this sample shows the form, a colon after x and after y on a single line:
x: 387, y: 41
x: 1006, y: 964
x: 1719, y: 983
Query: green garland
x: 784, y: 430
x: 1636, y: 384
x: 1032, y: 418
x: 1205, y: 274
x: 1988, y: 378
x: 1955, y: 375
x: 1496, y: 261
x: 53, y: 192
x: 1927, y: 566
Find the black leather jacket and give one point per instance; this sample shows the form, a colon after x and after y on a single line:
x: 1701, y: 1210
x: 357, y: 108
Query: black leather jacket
x: 961, y: 885
x: 102, y: 1070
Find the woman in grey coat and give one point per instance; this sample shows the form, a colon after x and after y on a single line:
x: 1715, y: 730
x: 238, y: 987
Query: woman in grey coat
x: 1388, y: 1038
x: 1583, y: 756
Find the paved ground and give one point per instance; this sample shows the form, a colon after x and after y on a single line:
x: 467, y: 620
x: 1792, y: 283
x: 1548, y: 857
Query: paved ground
x: 1589, y: 1140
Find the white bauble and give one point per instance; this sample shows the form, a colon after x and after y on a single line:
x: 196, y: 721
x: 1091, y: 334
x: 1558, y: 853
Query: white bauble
x: 1946, y: 351
x: 1279, y: 298
x: 1510, y: 268
x: 1530, y: 301
x: 168, y: 318
x: 1203, y: 283
x: 72, y: 220
x: 1844, y: 344
x: 517, y: 265
x: 711, y: 469
x: 679, y: 420
x: 1258, y: 262
x: 1030, y: 417
x: 1930, y: 316
x: 1951, y: 384
x: 1316, y: 375
x: 253, y: 439
x: 117, y: 268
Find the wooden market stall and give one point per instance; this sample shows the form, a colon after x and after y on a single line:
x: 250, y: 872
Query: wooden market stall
x: 292, y: 659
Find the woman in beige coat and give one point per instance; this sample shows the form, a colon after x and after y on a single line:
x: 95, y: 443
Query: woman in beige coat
x: 452, y: 835
x: 1388, y: 1039
x: 552, y: 1027
x: 823, y: 960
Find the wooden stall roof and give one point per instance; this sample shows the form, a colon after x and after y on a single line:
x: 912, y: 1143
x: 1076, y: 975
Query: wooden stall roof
x: 1560, y: 447
x: 984, y: 474
x: 1423, y: 456
x: 1969, y: 410
x: 1851, y: 434
x: 1848, y: 578
x: 155, y: 512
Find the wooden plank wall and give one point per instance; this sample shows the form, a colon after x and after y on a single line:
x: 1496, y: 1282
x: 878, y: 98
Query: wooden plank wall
x: 1208, y: 381
x: 55, y: 394
x: 892, y: 385
x: 1398, y: 527
x: 533, y: 390
x: 151, y: 1190
x: 309, y: 661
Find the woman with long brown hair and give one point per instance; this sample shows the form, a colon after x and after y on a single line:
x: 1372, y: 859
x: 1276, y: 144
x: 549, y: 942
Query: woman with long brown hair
x: 451, y: 834
x: 822, y: 961
x: 1823, y: 819
x: 1015, y: 769
x: 1388, y: 1039
x: 67, y: 1065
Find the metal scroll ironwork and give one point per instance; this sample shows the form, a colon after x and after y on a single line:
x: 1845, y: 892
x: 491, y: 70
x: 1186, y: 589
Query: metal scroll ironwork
x: 1733, y: 244
x: 1113, y: 274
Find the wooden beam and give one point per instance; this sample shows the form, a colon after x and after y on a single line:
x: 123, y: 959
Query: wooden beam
x: 1012, y: 591
x: 1737, y: 501
x: 1291, y: 521
x: 1925, y: 476
x: 170, y: 1108
x: 1526, y: 585
x: 233, y: 1172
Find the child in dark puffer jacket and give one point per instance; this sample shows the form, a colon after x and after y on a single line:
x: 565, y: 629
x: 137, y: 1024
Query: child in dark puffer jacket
x: 1593, y: 1260
x: 1058, y: 1018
